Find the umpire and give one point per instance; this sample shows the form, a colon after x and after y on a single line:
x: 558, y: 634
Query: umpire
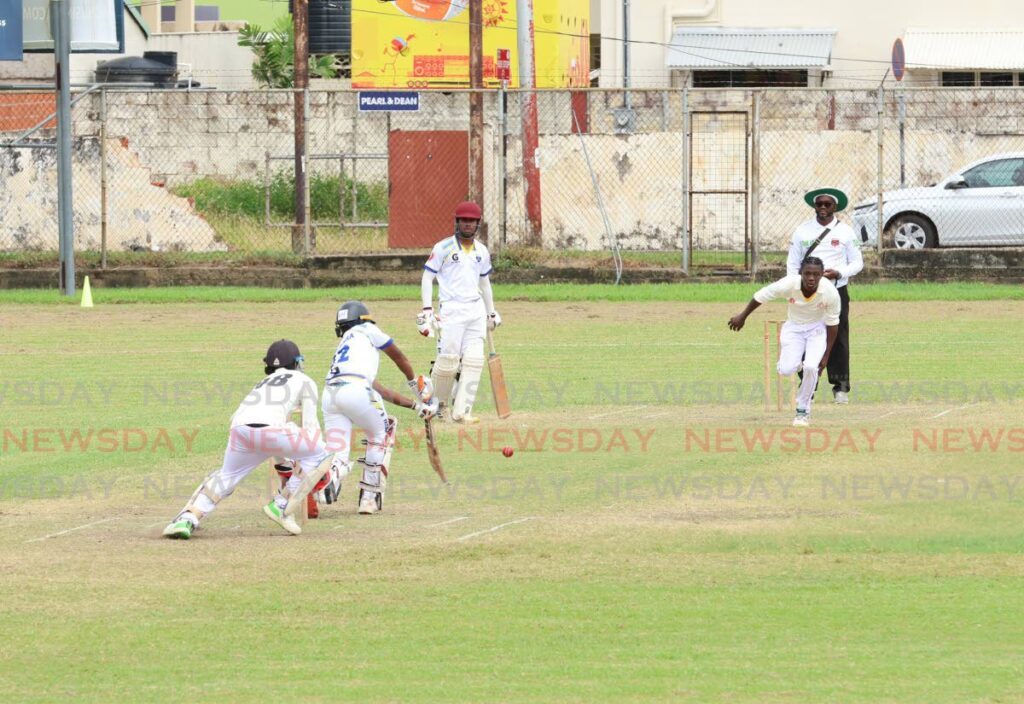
x: 834, y: 242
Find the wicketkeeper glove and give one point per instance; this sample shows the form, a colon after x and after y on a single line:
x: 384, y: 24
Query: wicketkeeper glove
x: 422, y: 387
x: 493, y: 320
x: 425, y: 322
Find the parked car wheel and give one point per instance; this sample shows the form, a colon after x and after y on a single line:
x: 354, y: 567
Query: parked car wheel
x: 910, y: 232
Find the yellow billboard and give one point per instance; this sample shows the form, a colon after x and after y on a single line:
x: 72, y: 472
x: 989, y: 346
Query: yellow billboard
x: 425, y: 43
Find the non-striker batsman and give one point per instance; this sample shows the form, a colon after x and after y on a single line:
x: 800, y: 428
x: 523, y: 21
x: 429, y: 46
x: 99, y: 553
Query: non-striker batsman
x: 462, y: 267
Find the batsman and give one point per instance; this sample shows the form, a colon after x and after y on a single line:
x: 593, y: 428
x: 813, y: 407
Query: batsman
x: 353, y: 397
x: 465, y: 313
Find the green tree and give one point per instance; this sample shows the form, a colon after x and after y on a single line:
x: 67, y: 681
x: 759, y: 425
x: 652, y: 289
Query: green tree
x: 274, y: 66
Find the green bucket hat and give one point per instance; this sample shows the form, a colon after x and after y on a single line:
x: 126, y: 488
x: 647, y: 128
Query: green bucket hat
x: 841, y: 200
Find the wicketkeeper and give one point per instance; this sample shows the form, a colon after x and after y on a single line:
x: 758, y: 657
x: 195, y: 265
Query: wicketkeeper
x: 260, y: 429
x: 462, y: 267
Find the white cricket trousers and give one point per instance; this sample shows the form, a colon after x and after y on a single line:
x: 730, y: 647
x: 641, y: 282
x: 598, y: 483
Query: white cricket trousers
x: 354, y: 403
x: 463, y: 328
x: 802, y: 344
x: 249, y: 447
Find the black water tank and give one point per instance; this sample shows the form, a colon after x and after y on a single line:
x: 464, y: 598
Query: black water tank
x: 330, y: 26
x: 157, y: 67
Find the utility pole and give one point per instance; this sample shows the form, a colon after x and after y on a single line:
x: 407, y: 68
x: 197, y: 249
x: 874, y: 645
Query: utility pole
x: 527, y: 86
x: 60, y: 27
x: 476, y: 106
x: 300, y: 231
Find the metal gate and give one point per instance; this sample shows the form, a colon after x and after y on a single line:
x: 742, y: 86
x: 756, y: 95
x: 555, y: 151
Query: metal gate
x: 718, y: 222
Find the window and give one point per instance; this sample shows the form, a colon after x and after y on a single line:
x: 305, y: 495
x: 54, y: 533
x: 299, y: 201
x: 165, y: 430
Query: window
x: 750, y: 78
x: 957, y: 78
x: 993, y: 79
x: 986, y: 79
x: 595, y: 56
x: 1000, y: 173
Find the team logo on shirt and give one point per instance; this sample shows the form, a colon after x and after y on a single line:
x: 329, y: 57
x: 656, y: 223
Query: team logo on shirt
x: 835, y: 243
x: 479, y: 259
x: 455, y: 257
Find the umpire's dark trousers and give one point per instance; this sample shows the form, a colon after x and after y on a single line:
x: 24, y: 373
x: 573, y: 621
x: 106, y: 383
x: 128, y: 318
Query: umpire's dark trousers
x: 839, y: 360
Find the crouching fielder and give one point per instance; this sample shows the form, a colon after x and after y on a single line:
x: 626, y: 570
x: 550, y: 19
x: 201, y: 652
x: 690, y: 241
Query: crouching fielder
x: 353, y: 396
x: 462, y: 267
x: 261, y: 429
x: 809, y: 332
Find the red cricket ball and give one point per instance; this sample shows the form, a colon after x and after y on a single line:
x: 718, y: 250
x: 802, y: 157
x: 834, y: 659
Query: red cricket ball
x: 507, y: 451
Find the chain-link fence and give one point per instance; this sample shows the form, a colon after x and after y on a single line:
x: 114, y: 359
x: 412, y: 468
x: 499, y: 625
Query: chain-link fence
x: 670, y: 178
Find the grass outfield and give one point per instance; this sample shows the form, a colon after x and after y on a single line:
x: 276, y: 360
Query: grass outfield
x: 657, y: 535
x: 694, y: 293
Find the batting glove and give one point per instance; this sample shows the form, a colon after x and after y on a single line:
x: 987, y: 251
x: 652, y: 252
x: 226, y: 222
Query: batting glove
x: 425, y: 322
x: 426, y: 411
x: 494, y: 320
x: 422, y: 387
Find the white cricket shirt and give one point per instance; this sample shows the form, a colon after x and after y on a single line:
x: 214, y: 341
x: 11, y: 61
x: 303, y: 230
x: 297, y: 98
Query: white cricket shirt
x: 839, y: 249
x: 358, y: 353
x: 823, y: 306
x: 458, y: 270
x: 273, y: 400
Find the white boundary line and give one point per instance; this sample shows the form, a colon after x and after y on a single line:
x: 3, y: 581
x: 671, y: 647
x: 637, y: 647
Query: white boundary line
x: 613, y: 413
x: 966, y: 405
x: 71, y: 530
x: 498, y: 527
x: 449, y: 521
x: 659, y: 415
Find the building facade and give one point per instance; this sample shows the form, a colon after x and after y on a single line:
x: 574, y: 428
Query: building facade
x: 751, y: 43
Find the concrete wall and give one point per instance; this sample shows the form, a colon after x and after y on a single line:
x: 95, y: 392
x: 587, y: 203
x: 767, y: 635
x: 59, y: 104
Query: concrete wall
x: 807, y: 139
x: 866, y: 30
x: 141, y: 214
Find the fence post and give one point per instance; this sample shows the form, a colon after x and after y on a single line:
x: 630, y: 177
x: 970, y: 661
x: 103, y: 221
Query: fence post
x: 502, y: 165
x: 266, y: 188
x: 309, y: 243
x: 903, y: 138
x: 755, y: 184
x: 685, y: 205
x: 355, y: 162
x: 103, y: 179
x: 881, y: 149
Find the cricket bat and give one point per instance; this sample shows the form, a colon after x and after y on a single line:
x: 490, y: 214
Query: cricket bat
x: 497, y: 374
x: 432, y: 454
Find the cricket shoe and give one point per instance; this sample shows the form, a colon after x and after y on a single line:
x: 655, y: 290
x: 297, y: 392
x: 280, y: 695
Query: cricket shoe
x: 467, y: 420
x: 275, y: 514
x: 179, y: 529
x: 842, y: 398
x: 370, y: 502
x: 802, y: 419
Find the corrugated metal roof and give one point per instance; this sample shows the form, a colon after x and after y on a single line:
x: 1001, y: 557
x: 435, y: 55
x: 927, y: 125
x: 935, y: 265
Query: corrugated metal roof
x: 968, y: 49
x: 750, y: 47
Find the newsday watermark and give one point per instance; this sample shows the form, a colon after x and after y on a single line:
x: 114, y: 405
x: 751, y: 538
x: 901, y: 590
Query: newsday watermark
x: 675, y: 487
x: 537, y: 393
x: 554, y: 440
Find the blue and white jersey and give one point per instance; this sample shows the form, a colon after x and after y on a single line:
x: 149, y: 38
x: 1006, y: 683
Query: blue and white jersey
x: 459, y: 270
x: 358, y: 353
